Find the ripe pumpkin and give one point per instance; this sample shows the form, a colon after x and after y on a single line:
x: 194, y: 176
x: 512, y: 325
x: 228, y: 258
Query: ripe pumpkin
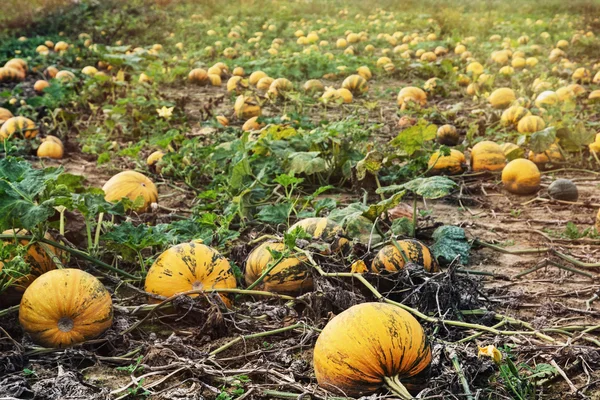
x: 65, y: 76
x: 90, y: 70
x: 252, y: 125
x: 546, y: 98
x: 501, y: 98
x: 199, y: 76
x: 412, y: 94
x: 255, y: 77
x: 51, y: 149
x: 355, y: 84
x: 447, y: 134
x: 563, y: 189
x: 487, y: 156
x: 313, y: 86
x: 390, y: 258
x: 365, y: 72
x: 264, y: 83
x: 154, y: 158
x: 236, y: 84
x: 453, y: 164
x: 553, y: 154
x: 289, y: 276
x: 531, y: 124
x: 319, y: 228
x: 64, y: 307
x: 221, y: 119
x: 8, y: 74
x: 132, y: 185
x: 215, y: 80
x: 61, y: 46
x: 345, y: 95
x: 190, y: 266
x: 246, y: 107
x: 51, y: 72
x: 368, y: 346
x: 513, y: 114
x: 280, y: 86
x: 521, y: 176
x: 22, y: 125
x: 4, y: 115
x: 40, y: 85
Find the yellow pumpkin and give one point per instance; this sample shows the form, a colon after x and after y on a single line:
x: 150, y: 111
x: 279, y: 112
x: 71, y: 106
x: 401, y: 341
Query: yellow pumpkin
x: 369, y: 346
x: 390, y: 258
x: 264, y: 83
x: 4, y: 115
x: 65, y: 76
x: 154, y: 158
x: 246, y: 107
x: 365, y: 72
x: 355, y: 84
x: 487, y: 156
x: 221, y: 119
x: 132, y: 185
x: 502, y: 98
x: 313, y: 86
x: 553, y: 154
x: 40, y: 85
x: 345, y: 95
x: 8, y: 74
x: 61, y: 46
x: 280, y: 86
x: 447, y: 135
x: 190, y: 266
x: 51, y: 72
x: 64, y: 307
x: 255, y: 77
x: 319, y: 228
x: 236, y: 84
x: 199, y: 76
x: 521, y: 176
x: 453, y: 164
x: 51, y: 149
x: 238, y: 71
x: 512, y: 115
x: 531, y: 124
x: 21, y: 125
x: 547, y: 98
x: 291, y: 275
x: 89, y: 70
x: 252, y: 125
x: 215, y: 80
x: 411, y: 94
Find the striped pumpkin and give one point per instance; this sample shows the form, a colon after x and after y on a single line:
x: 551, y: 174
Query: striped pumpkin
x: 280, y: 86
x: 21, y: 125
x: 190, y: 266
x: 291, y: 275
x: 132, y: 185
x: 487, y: 156
x: 453, y: 164
x: 319, y: 228
x: 65, y: 307
x: 390, y: 258
x: 447, y: 135
x: 4, y: 115
x: 512, y: 115
x: 370, y: 346
x: 198, y: 76
x: 531, y: 124
x: 355, y: 84
x: 9, y: 74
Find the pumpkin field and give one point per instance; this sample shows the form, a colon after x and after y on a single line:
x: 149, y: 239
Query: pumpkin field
x: 270, y: 199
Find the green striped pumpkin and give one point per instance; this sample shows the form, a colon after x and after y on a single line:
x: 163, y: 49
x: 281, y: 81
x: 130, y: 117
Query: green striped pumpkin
x: 390, y: 258
x: 355, y: 84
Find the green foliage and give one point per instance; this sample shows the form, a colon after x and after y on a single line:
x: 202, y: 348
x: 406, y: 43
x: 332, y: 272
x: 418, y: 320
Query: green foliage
x: 542, y: 140
x: 450, y: 243
x: 412, y: 139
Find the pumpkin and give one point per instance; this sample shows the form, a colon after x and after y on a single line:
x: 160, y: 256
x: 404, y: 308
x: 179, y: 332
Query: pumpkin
x: 546, y: 98
x: 319, y: 228
x: 280, y: 86
x: 390, y: 258
x: 531, y: 124
x: 61, y: 46
x: 246, y: 107
x: 64, y: 307
x: 511, y: 151
x: 475, y: 68
x: 411, y: 94
x: 368, y: 346
x: 40, y: 85
x: 563, y: 189
x: 18, y: 65
x: 512, y: 115
x: 355, y: 84
x: 313, y: 86
x: 264, y: 83
x: 22, y: 125
x: 521, y: 176
x: 4, y: 115
x: 238, y: 71
x: 221, y: 119
x: 345, y: 95
x: 453, y: 164
x: 487, y: 156
x: 365, y: 72
x: 132, y: 185
x: 553, y: 154
x: 190, y: 266
x: 42, y: 49
x: 215, y: 70
x: 447, y: 135
x: 154, y: 158
x: 89, y: 71
x: 236, y: 84
x: 501, y: 98
x: 382, y: 61
x: 252, y: 125
x: 594, y: 96
x: 582, y: 75
x: 291, y: 275
x: 8, y: 74
x: 51, y: 72
x: 255, y: 77
x: 198, y: 76
x: 65, y: 76
x: 215, y: 80
x: 51, y: 149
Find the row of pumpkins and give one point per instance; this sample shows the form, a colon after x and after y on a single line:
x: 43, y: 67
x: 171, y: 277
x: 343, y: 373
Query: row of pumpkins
x: 50, y: 146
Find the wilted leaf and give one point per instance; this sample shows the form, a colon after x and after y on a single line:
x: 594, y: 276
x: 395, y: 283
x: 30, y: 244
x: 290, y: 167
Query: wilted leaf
x: 450, y: 242
x: 376, y: 210
x: 542, y: 140
x: 306, y: 162
x: 412, y: 139
x: 371, y: 163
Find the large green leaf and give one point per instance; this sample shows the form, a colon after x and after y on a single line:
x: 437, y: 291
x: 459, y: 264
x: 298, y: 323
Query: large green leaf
x: 412, y: 139
x: 542, y: 140
x: 432, y: 187
x: 306, y: 162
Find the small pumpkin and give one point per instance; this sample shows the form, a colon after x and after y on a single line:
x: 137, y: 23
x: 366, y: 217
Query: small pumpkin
x: 264, y: 83
x: 61, y: 46
x: 390, y: 258
x: 21, y: 125
x: 190, y: 266
x: 369, y: 346
x: 215, y: 80
x: 563, y: 189
x: 487, y: 156
x: 452, y: 164
x: 51, y: 149
x: 40, y: 85
x: 153, y: 160
x: 546, y: 98
x: 252, y: 125
x: 447, y: 135
x: 131, y: 184
x: 64, y: 307
x: 65, y: 76
x: 512, y: 115
x: 199, y: 76
x: 313, y: 86
x: 521, y: 176
x: 91, y: 71
x: 51, y: 72
x: 280, y: 86
x: 355, y: 84
x: 4, y: 115
x: 291, y: 275
x: 502, y: 98
x: 553, y: 154
x: 236, y: 84
x: 411, y: 94
x: 319, y: 228
x: 246, y: 107
x: 365, y: 72
x: 255, y: 77
x: 345, y: 95
x: 531, y: 124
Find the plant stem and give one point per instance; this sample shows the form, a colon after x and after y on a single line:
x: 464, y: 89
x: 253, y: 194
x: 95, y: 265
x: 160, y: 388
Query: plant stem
x: 461, y: 375
x: 9, y: 310
x: 394, y: 385
x: 414, y: 225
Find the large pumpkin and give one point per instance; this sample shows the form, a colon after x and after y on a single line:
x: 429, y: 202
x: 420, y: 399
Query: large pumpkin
x: 22, y: 125
x: 370, y: 346
x: 390, y: 258
x: 501, y: 98
x: 411, y: 94
x: 132, y: 185
x: 291, y: 275
x: 9, y: 74
x: 64, y: 307
x: 487, y: 156
x: 521, y: 176
x: 190, y: 266
x: 355, y: 84
x: 453, y: 164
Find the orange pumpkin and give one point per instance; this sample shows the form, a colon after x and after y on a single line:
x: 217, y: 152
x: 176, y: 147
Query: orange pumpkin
x: 487, y: 156
x: 40, y: 85
x: 22, y: 125
x: 392, y: 259
x: 132, y: 185
x: 4, y: 115
x: 198, y: 76
x: 64, y: 307
x: 51, y: 149
x: 521, y: 176
x: 190, y: 266
x: 370, y: 346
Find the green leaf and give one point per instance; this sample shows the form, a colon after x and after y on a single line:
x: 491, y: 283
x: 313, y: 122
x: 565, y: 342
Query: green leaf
x: 402, y: 226
x: 412, y: 139
x: 137, y: 237
x: 343, y: 215
x: 542, y: 140
x: 371, y: 163
x: 450, y: 242
x: 239, y: 172
x: 376, y: 210
x: 287, y: 180
x: 306, y: 162
x: 432, y: 187
x: 275, y: 213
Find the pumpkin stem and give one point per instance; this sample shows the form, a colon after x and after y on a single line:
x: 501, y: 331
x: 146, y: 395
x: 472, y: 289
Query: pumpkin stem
x: 395, y: 386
